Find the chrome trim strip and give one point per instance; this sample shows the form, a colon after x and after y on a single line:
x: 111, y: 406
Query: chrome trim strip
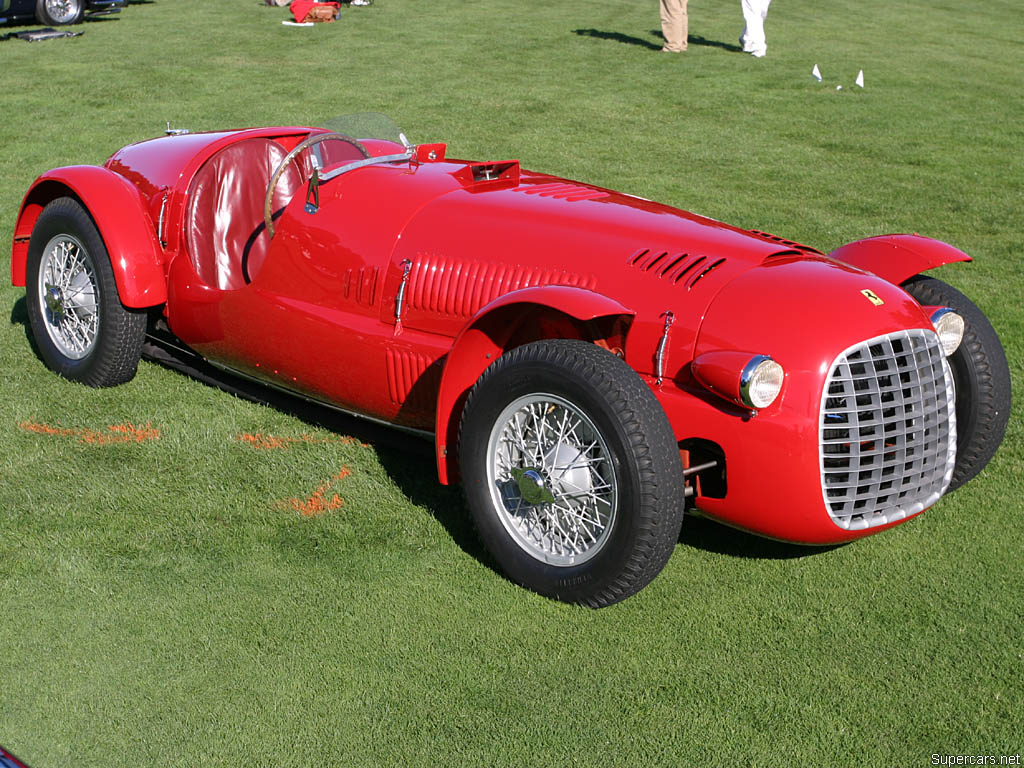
x: 362, y: 163
x: 400, y: 296
x: 160, y: 221
x: 659, y: 355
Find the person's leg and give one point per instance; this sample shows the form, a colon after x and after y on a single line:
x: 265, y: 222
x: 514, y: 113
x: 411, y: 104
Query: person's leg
x: 673, y: 25
x: 684, y: 27
x: 752, y: 39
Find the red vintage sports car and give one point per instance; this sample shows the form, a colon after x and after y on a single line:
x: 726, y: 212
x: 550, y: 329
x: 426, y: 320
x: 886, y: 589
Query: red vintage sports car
x: 589, y: 364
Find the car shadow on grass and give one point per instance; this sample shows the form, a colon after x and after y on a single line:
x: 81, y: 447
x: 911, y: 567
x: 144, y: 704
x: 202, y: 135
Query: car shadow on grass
x: 19, y: 316
x: 702, y: 533
x: 408, y: 459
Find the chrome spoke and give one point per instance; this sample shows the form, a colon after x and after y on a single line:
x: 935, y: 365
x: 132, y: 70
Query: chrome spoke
x: 68, y: 296
x: 552, y: 480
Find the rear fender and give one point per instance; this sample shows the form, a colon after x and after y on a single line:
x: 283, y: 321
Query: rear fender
x: 498, y: 327
x: 897, y: 258
x: 119, y: 212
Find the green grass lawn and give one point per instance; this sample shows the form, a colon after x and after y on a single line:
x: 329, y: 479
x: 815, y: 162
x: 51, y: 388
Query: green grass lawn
x: 164, y: 601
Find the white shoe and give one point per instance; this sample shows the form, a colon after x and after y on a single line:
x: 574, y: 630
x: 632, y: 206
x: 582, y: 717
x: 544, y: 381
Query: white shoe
x: 756, y: 54
x: 747, y: 47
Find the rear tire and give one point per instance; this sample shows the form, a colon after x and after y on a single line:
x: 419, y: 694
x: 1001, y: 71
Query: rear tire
x: 571, y: 472
x: 982, y: 379
x: 81, y: 329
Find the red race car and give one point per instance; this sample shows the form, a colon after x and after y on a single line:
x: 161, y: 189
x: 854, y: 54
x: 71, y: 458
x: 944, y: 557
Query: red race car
x: 589, y: 364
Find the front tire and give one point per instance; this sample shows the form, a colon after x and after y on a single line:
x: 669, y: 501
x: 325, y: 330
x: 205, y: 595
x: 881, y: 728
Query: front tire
x: 571, y: 472
x: 59, y: 12
x: 981, y: 375
x: 81, y: 329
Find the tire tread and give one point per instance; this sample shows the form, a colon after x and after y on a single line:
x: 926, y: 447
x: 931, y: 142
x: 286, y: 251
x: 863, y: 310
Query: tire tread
x: 980, y: 437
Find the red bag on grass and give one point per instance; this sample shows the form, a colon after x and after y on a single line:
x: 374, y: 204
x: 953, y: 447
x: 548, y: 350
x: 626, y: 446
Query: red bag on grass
x: 308, y: 10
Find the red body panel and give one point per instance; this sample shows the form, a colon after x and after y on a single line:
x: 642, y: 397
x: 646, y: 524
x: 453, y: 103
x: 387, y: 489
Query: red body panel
x: 119, y: 212
x: 897, y: 258
x: 488, y: 256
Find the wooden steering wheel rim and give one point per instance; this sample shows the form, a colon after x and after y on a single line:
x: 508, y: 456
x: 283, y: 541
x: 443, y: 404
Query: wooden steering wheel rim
x: 275, y: 177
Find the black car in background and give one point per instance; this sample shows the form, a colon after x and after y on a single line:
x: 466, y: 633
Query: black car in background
x: 56, y: 12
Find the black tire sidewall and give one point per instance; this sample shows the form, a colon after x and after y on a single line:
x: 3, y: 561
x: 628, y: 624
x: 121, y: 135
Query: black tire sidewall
x: 66, y: 216
x: 981, y: 375
x: 576, y: 583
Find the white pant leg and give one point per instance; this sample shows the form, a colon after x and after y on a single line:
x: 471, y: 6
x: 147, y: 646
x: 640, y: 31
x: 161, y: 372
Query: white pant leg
x: 754, y: 13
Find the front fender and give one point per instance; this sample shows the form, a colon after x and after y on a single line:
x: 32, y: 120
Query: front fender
x: 120, y: 215
x: 897, y: 258
x: 483, y: 340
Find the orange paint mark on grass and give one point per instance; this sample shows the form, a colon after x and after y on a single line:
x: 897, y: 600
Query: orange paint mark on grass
x: 319, y: 502
x: 116, y: 433
x: 265, y: 442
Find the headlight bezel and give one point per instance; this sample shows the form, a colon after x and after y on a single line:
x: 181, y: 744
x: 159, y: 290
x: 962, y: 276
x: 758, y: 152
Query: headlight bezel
x: 761, y: 382
x: 950, y: 326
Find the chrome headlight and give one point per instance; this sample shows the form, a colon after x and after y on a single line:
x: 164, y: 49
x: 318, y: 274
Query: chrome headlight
x: 950, y: 327
x: 753, y: 381
x: 760, y: 382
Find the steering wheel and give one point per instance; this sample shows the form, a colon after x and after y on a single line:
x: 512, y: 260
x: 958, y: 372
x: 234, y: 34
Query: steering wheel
x: 276, y: 176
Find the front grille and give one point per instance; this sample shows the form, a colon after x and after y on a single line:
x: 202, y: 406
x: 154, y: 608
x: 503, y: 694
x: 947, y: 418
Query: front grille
x: 888, y: 430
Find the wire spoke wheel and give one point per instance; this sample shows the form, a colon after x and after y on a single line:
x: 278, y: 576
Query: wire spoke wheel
x: 81, y: 328
x: 571, y: 472
x: 69, y: 297
x: 59, y: 11
x: 552, y: 480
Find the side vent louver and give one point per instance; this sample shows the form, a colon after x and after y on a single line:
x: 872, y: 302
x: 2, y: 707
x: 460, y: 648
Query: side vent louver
x: 360, y: 285
x: 783, y: 241
x: 675, y: 267
x: 413, y: 379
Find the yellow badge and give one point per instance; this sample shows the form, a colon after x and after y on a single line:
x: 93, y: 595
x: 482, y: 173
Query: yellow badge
x: 872, y: 297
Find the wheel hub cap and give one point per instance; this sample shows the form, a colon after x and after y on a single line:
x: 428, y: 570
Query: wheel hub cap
x: 55, y: 301
x: 60, y: 10
x: 531, y: 486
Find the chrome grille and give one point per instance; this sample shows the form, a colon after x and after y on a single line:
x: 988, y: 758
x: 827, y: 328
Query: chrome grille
x: 887, y: 430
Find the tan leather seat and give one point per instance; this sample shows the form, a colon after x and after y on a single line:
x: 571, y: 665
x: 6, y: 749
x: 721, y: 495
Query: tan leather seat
x: 225, y: 231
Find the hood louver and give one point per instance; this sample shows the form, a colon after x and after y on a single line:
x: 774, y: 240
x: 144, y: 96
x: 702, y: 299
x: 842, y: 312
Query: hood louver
x: 674, y: 267
x: 783, y: 241
x: 560, y: 190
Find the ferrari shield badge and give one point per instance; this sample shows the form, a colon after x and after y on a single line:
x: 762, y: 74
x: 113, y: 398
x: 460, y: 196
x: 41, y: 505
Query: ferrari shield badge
x: 872, y: 297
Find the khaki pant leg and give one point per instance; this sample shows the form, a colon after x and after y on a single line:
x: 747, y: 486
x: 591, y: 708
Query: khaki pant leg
x: 674, y: 24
